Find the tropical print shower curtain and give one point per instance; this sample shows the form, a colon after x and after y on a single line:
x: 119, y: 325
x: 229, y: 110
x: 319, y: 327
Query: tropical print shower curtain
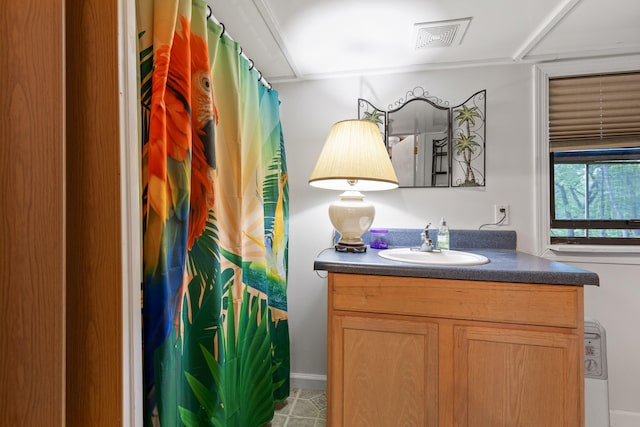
x: 215, y: 226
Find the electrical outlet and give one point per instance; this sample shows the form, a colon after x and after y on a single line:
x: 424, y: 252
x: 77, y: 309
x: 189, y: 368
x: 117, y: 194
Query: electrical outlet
x: 501, y: 214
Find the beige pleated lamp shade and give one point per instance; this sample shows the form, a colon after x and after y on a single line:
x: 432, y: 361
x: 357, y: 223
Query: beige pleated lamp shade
x: 354, y: 157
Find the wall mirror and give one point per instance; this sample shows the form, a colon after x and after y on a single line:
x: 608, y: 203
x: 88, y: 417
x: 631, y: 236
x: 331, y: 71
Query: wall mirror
x: 430, y: 143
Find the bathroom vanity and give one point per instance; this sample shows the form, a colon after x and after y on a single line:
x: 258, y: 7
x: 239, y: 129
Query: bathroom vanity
x: 499, y: 344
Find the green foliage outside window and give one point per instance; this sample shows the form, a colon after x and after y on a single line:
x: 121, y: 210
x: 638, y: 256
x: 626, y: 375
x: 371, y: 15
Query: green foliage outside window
x: 596, y: 187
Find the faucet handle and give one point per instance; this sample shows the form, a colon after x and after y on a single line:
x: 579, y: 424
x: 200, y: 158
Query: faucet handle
x: 427, y: 243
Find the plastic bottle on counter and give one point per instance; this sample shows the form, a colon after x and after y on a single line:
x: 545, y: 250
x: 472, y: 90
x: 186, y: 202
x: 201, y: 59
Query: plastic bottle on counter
x: 443, y: 235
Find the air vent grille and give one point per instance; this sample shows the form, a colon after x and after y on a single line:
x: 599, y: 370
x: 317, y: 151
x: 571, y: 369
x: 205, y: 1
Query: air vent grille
x: 440, y: 33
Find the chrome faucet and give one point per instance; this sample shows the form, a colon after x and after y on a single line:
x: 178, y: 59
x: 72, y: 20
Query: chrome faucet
x: 427, y: 244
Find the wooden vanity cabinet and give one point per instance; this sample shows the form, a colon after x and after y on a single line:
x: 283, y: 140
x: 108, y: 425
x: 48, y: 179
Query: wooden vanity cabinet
x: 434, y: 352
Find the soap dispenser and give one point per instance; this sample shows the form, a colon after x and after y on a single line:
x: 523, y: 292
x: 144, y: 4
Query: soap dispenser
x: 443, y: 235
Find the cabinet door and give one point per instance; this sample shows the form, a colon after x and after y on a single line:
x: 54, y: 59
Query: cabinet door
x: 517, y: 378
x: 384, y: 372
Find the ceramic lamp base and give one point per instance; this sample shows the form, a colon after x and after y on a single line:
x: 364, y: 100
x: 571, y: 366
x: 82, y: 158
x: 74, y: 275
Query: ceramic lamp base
x: 351, y: 216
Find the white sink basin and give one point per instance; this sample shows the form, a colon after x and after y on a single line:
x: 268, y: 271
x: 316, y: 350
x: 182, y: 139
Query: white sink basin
x: 433, y: 258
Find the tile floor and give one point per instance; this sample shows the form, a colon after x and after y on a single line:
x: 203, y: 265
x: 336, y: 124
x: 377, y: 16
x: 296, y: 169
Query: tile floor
x: 303, y: 408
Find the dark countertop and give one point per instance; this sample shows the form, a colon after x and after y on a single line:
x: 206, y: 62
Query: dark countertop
x: 506, y: 265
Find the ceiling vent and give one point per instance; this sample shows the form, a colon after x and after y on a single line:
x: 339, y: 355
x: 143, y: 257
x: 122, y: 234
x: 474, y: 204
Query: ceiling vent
x: 440, y: 33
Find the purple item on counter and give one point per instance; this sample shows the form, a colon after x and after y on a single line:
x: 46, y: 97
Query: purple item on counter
x: 378, y: 237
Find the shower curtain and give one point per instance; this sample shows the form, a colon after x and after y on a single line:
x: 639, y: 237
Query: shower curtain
x: 215, y: 226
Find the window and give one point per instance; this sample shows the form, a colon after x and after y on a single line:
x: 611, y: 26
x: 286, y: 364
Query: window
x: 594, y: 152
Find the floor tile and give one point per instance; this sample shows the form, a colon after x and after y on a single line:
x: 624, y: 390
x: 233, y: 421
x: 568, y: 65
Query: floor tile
x: 303, y: 408
x: 301, y: 422
x: 284, y: 408
x: 278, y: 421
x: 310, y: 394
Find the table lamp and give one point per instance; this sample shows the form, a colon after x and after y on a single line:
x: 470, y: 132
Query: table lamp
x: 353, y: 159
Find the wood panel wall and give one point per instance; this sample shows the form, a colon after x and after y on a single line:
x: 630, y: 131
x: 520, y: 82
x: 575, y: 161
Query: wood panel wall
x: 94, y: 267
x: 61, y: 272
x: 32, y: 216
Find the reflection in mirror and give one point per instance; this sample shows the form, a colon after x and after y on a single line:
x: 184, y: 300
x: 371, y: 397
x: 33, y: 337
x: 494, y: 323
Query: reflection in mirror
x: 430, y: 144
x: 421, y: 154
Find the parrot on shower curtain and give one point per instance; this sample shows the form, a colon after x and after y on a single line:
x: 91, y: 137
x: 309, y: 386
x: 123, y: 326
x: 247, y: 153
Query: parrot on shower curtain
x: 215, y: 226
x: 181, y: 161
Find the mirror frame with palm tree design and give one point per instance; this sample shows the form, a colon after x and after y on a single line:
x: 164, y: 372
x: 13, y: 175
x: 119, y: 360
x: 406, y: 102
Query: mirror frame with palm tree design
x: 468, y: 136
x: 464, y: 151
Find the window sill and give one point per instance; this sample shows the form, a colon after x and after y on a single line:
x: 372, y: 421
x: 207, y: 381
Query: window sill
x: 597, y: 254
x: 599, y: 249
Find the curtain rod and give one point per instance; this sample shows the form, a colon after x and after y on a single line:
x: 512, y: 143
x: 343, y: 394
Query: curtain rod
x: 224, y: 32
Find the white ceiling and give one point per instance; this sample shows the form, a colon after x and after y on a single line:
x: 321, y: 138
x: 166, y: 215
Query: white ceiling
x: 307, y: 39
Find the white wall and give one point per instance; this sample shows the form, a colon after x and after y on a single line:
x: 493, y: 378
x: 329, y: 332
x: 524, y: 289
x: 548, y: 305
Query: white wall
x: 310, y: 108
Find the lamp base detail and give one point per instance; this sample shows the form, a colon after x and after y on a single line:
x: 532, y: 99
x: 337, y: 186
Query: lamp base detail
x: 358, y: 249
x: 351, y: 216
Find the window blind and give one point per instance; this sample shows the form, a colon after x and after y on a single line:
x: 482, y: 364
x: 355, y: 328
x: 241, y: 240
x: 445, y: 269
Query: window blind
x: 594, y: 112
